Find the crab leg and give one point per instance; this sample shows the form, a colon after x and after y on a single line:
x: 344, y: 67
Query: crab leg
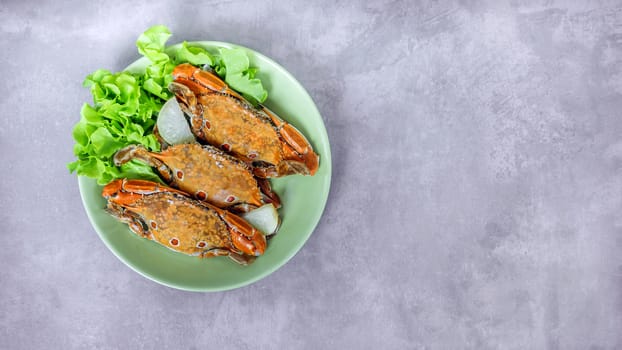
x: 133, y: 151
x: 239, y: 258
x: 269, y: 195
x: 200, y: 80
x: 136, y: 224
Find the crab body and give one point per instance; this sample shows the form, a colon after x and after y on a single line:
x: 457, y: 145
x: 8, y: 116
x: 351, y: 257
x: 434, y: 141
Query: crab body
x: 206, y: 173
x: 221, y: 117
x: 169, y: 217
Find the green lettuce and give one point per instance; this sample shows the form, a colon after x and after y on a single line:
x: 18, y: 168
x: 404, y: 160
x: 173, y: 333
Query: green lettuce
x: 152, y: 44
x: 194, y: 55
x: 122, y: 113
x: 240, y: 76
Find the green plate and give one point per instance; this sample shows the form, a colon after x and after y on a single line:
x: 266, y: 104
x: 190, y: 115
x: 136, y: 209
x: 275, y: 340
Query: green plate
x: 303, y: 197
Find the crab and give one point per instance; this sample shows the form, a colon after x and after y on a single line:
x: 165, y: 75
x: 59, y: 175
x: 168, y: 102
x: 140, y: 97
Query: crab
x: 206, y: 173
x: 221, y: 117
x: 169, y: 217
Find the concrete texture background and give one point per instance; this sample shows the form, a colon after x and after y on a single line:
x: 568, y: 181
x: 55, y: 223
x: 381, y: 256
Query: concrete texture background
x: 477, y: 190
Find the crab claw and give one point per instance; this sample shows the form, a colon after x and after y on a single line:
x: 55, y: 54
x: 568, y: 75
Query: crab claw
x: 113, y: 188
x: 115, y: 193
x: 299, y: 155
x: 125, y: 192
x: 198, y: 80
x: 244, y: 236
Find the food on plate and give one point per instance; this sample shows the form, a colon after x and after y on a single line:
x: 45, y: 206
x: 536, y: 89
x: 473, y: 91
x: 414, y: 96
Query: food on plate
x: 204, y: 133
x: 264, y: 218
x: 206, y: 173
x: 169, y: 217
x: 122, y: 113
x: 172, y: 126
x: 126, y: 104
x: 222, y: 117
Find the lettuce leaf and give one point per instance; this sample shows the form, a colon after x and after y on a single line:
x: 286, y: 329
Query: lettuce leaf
x: 122, y: 113
x: 151, y: 43
x: 241, y: 77
x: 194, y: 55
x: 231, y: 64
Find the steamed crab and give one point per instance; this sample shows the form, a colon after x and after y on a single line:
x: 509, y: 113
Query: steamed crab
x: 223, y: 118
x: 207, y: 174
x: 169, y: 217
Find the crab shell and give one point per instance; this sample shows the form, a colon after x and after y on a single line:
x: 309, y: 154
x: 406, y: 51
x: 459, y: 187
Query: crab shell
x: 169, y: 217
x: 206, y: 173
x: 221, y: 117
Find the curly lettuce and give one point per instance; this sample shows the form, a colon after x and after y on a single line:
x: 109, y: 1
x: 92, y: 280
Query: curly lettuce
x: 240, y: 76
x: 121, y: 114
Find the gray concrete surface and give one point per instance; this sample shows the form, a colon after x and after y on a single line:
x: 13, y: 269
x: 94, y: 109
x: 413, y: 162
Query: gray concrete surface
x: 477, y: 189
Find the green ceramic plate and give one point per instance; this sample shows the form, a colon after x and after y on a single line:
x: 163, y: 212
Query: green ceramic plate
x: 303, y: 197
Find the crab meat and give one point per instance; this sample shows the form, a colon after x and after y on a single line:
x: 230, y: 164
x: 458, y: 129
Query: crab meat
x: 221, y: 117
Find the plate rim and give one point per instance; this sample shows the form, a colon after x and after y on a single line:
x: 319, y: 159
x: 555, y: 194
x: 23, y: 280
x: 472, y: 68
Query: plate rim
x: 326, y: 160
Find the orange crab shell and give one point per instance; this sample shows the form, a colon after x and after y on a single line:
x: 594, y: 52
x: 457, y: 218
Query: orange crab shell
x: 207, y: 174
x: 223, y: 118
x: 171, y: 218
